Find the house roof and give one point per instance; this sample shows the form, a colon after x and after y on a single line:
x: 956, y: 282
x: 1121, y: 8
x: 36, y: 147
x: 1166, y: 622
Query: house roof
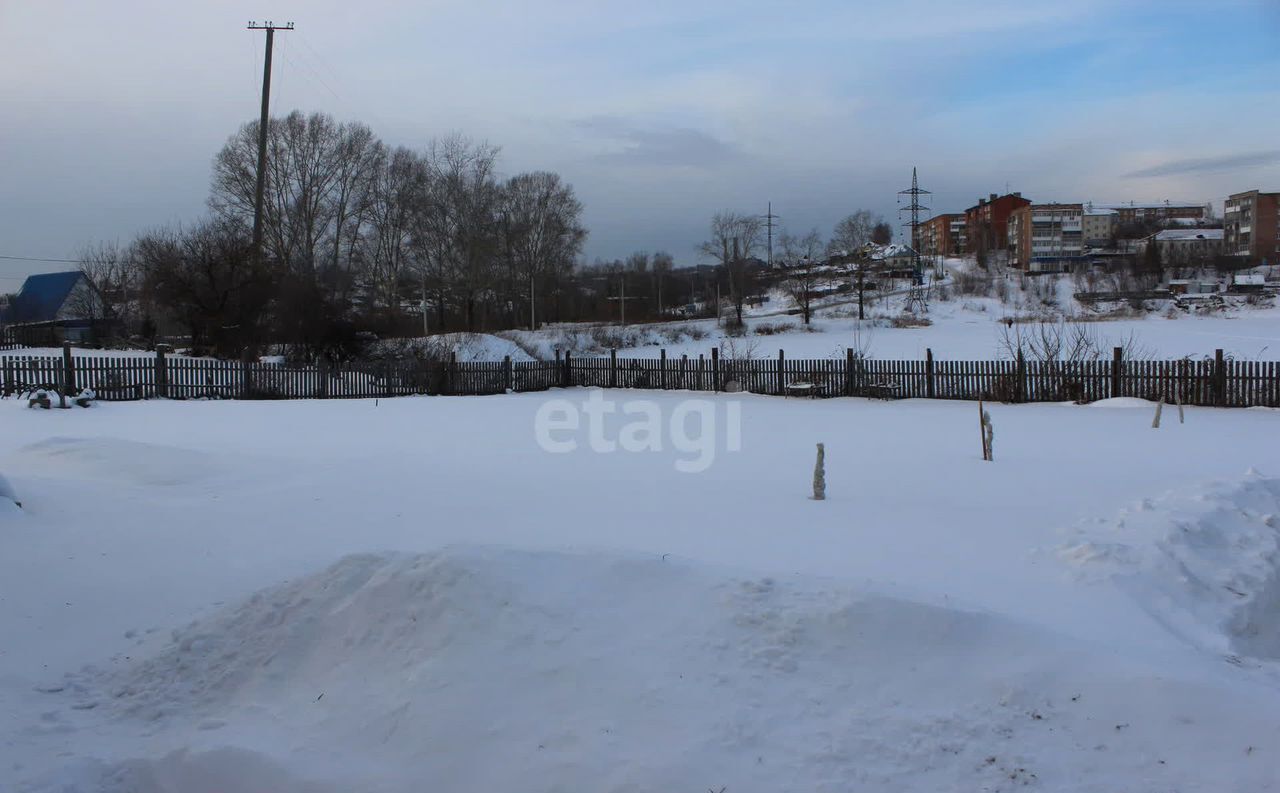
x: 1188, y: 234
x: 1153, y: 205
x: 42, y: 296
x: 891, y: 251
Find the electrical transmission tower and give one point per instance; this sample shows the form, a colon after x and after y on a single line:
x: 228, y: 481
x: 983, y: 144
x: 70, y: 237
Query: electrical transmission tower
x: 260, y: 187
x: 915, y: 208
x: 769, y: 217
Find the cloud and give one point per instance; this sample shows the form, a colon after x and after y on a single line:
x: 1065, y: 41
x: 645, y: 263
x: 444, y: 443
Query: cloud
x: 1230, y: 162
x: 679, y: 147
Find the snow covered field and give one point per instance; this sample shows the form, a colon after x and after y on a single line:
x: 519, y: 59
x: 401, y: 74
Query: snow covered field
x: 411, y: 594
x: 961, y: 329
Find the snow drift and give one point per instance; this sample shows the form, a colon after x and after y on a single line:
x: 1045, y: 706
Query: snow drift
x: 116, y: 460
x: 478, y: 669
x: 8, y: 496
x: 1206, y: 562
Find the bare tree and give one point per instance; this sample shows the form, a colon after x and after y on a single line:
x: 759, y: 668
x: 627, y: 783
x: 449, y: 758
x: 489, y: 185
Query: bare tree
x: 310, y: 178
x: 399, y: 191
x: 802, y: 257
x: 542, y: 235
x: 112, y: 292
x: 209, y: 278
x: 882, y: 233
x: 855, y: 231
x: 866, y: 268
x: 734, y: 240
x: 458, y: 231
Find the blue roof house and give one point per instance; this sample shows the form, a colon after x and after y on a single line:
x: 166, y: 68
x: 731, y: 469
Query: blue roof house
x: 66, y: 304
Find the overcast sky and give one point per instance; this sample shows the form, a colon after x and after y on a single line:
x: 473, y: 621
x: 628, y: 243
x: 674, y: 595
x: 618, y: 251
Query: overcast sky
x: 659, y: 113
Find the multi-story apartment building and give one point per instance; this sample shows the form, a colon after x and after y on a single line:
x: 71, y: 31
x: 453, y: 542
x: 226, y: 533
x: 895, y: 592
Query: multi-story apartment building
x: 941, y: 235
x: 1251, y: 226
x: 987, y: 222
x: 1187, y: 246
x: 1099, y: 226
x: 1046, y: 236
x: 1132, y: 212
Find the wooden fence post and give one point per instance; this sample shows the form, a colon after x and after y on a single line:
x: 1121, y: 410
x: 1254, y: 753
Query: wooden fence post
x: 1219, y: 378
x: 848, y: 371
x: 1020, y: 391
x: 162, y: 373
x: 507, y: 379
x: 928, y: 373
x: 68, y: 368
x: 322, y: 389
x: 246, y: 382
x: 662, y: 368
x: 613, y: 368
x: 782, y: 373
x: 8, y: 378
x: 715, y: 369
x: 451, y: 373
x: 566, y: 375
x: 1117, y: 371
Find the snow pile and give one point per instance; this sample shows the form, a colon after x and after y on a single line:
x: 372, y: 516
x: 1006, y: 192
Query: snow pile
x: 1206, y: 563
x: 506, y: 670
x: 117, y: 461
x: 8, y: 496
x: 482, y: 347
x: 466, y: 346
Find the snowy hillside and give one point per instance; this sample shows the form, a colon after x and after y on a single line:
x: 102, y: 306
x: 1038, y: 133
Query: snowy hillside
x: 957, y: 326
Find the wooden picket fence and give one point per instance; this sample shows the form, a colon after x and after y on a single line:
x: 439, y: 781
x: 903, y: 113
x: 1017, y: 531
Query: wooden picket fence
x: 1216, y: 381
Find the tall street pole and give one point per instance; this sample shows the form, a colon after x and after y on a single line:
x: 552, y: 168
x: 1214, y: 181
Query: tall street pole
x: 261, y: 185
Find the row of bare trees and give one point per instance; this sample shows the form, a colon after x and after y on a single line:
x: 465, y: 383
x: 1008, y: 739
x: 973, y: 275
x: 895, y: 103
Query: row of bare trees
x: 736, y: 241
x: 357, y: 236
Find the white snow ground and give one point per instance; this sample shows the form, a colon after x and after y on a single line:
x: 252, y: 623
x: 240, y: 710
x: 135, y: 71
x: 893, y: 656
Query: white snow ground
x: 964, y: 328
x: 404, y: 595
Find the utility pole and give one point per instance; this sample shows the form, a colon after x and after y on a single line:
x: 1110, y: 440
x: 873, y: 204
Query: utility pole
x: 769, y: 217
x: 622, y: 300
x: 915, y: 208
x: 426, y: 331
x: 260, y: 187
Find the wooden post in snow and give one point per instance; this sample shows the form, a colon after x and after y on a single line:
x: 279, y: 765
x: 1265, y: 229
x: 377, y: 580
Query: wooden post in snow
x: 928, y: 373
x: 68, y: 369
x: 820, y: 475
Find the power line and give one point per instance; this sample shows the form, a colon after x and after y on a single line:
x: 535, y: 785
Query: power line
x: 37, y: 259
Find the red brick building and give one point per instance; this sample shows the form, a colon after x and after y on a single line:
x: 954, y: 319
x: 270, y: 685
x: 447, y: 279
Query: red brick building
x: 987, y: 222
x: 941, y: 235
x: 1251, y: 221
x: 1131, y: 213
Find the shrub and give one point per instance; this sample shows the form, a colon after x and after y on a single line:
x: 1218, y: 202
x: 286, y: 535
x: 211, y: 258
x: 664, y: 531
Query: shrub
x: 910, y: 321
x: 772, y: 329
